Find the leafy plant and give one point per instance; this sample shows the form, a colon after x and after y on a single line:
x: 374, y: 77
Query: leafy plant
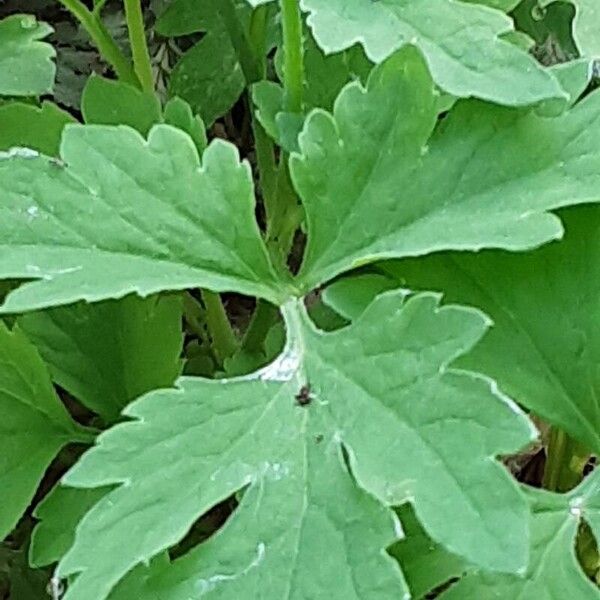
x: 293, y: 354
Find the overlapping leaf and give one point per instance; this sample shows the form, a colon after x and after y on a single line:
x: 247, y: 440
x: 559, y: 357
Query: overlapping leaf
x: 554, y: 571
x: 544, y: 346
x: 108, y: 354
x: 39, y: 128
x: 26, y: 65
x: 429, y: 439
x: 461, y: 42
x: 34, y: 426
x: 124, y: 215
x: 376, y: 183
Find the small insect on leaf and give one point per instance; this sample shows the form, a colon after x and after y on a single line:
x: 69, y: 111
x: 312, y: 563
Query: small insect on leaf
x: 303, y: 397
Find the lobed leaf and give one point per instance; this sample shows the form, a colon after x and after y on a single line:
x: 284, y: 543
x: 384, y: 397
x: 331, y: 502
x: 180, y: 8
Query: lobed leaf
x: 553, y: 567
x: 430, y: 438
x: 26, y: 65
x: 462, y: 44
x: 124, y: 215
x: 377, y: 182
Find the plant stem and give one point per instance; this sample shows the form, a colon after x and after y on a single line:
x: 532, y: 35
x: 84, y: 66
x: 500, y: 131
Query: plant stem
x: 139, y: 45
x: 264, y: 317
x: 258, y: 35
x: 293, y: 55
x: 565, y: 461
x: 239, y: 39
x: 224, y: 341
x: 267, y: 169
x: 103, y: 40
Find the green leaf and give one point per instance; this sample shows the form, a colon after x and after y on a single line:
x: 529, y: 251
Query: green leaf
x: 324, y: 77
x: 350, y: 296
x: 26, y: 65
x: 59, y: 514
x: 108, y: 354
x: 392, y: 188
x: 545, y: 344
x: 179, y: 114
x: 554, y: 571
x: 586, y: 25
x: 28, y: 126
x: 462, y: 44
x: 34, y: 427
x: 209, y: 76
x: 183, y: 17
x: 128, y: 215
x: 108, y: 102
x: 432, y: 434
x: 426, y: 564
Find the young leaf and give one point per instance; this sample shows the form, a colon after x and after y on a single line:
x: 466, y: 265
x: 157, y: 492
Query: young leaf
x: 545, y: 343
x: 108, y: 102
x: 28, y: 126
x: 26, y: 65
x: 553, y: 566
x: 462, y: 44
x: 430, y: 438
x: 108, y: 354
x: 179, y: 114
x: 128, y: 215
x: 388, y: 190
x: 35, y: 425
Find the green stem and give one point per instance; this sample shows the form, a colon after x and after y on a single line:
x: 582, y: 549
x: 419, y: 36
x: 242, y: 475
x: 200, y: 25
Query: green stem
x: 267, y: 169
x: 285, y: 215
x: 239, y: 39
x: 224, y: 341
x: 258, y: 37
x: 293, y: 55
x: 139, y: 46
x: 565, y: 461
x: 264, y: 317
x: 103, y: 40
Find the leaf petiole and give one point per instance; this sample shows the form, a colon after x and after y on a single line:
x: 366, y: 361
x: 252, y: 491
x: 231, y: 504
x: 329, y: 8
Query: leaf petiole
x: 139, y: 45
x: 103, y: 40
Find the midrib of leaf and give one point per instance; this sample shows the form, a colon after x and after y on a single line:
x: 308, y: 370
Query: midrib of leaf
x: 494, y: 300
x: 220, y: 275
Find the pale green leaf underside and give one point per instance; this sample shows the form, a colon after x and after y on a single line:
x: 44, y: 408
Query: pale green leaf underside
x: 109, y: 353
x: 33, y: 428
x: 461, y: 43
x: 544, y: 347
x: 123, y: 215
x: 430, y: 438
x: 26, y: 65
x: 554, y: 571
x: 377, y: 181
